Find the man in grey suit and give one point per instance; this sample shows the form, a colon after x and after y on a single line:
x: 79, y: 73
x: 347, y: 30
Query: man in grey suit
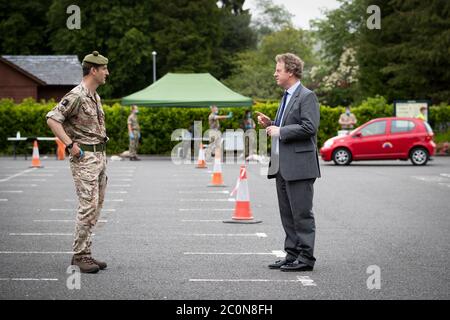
x: 294, y: 162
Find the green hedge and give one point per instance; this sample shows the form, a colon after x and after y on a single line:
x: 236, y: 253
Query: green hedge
x: 157, y: 124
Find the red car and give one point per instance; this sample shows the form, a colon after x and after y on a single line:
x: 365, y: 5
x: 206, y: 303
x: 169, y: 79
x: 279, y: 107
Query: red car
x: 383, y: 139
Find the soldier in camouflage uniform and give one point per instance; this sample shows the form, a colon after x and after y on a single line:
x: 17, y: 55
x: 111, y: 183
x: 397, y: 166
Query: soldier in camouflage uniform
x: 134, y: 132
x: 78, y: 121
x: 215, y: 136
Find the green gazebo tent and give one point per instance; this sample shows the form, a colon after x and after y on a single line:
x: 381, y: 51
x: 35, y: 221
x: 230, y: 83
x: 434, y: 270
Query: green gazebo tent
x: 187, y: 90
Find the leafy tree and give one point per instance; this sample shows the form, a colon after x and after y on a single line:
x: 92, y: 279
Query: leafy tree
x: 408, y: 57
x: 254, y: 69
x: 271, y: 18
x: 22, y: 27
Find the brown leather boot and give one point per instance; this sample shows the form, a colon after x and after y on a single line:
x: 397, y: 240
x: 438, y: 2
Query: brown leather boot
x: 102, y: 265
x: 86, y: 264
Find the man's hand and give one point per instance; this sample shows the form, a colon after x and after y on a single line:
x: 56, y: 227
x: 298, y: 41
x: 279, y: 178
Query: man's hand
x: 263, y: 120
x: 273, y: 131
x: 75, y: 151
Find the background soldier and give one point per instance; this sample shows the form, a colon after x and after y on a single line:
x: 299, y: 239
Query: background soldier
x: 134, y: 132
x: 78, y: 121
x: 214, y: 130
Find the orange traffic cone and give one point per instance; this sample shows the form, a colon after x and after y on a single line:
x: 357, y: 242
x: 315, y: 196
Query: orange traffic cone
x: 61, y: 151
x: 217, y: 179
x: 201, y: 163
x: 242, y: 211
x: 35, y: 161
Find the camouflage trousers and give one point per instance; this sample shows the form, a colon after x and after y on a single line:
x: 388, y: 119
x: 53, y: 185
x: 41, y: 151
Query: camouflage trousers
x: 134, y: 144
x: 89, y: 175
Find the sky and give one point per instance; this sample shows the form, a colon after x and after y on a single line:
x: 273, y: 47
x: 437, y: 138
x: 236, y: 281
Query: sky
x: 303, y: 10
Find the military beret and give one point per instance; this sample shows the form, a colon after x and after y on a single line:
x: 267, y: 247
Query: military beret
x: 95, y: 58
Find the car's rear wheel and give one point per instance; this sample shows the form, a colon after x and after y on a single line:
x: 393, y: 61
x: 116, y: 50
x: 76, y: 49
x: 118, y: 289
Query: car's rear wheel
x: 342, y: 157
x: 419, y: 156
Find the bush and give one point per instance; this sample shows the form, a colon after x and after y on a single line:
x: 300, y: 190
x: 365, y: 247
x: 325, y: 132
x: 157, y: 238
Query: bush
x: 157, y: 124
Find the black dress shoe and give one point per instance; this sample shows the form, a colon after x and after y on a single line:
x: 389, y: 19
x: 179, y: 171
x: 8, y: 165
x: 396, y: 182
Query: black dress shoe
x: 296, y: 266
x: 278, y: 264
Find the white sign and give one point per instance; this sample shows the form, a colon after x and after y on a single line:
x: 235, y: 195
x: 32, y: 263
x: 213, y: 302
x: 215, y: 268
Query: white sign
x: 410, y: 109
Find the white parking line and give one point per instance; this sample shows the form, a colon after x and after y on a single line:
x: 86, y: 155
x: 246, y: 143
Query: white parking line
x: 36, y: 252
x: 17, y: 174
x: 40, y: 175
x: 11, y: 191
x: 114, y: 192
x: 193, y: 192
x: 259, y: 235
x: 122, y: 179
x: 119, y: 175
x: 63, y: 220
x: 208, y: 200
x: 28, y: 279
x: 106, y: 200
x: 277, y: 253
x: 73, y: 210
x: 201, y: 220
x: 446, y: 175
x: 20, y: 185
x: 119, y: 185
x: 205, y: 209
x: 305, y: 281
x: 34, y: 180
x: 3, y: 200
x: 41, y: 234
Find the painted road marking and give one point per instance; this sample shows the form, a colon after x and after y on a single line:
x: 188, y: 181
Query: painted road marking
x: 119, y: 185
x: 21, y: 185
x: 40, y: 175
x: 41, y: 234
x: 116, y: 192
x: 201, y: 220
x: 259, y: 235
x: 303, y: 280
x: 277, y: 253
x: 36, y: 252
x: 28, y: 279
x: 72, y: 210
x: 4, y: 200
x: 208, y: 200
x: 63, y: 220
x: 192, y: 192
x: 205, y: 209
x: 11, y: 191
x: 17, y: 174
x: 106, y: 200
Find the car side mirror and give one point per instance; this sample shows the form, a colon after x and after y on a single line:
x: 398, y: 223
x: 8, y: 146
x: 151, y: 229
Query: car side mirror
x: 357, y: 135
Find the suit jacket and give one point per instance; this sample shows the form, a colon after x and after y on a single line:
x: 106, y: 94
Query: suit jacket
x: 298, y: 156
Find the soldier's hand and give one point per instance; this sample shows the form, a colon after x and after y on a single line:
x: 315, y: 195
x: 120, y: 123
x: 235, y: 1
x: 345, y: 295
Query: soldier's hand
x: 75, y: 151
x: 263, y: 120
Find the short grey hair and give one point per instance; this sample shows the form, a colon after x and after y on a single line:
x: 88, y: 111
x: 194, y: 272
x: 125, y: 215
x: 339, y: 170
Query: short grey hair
x: 292, y: 63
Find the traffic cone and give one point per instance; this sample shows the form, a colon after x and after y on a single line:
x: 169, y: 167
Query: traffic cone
x: 217, y: 179
x: 35, y: 161
x: 242, y: 211
x: 201, y: 163
x: 61, y: 151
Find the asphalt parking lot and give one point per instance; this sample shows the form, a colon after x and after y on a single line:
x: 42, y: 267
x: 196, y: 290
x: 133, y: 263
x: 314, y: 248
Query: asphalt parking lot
x: 163, y: 236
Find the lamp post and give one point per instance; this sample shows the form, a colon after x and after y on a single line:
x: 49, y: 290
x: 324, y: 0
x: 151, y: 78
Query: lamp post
x: 154, y: 65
